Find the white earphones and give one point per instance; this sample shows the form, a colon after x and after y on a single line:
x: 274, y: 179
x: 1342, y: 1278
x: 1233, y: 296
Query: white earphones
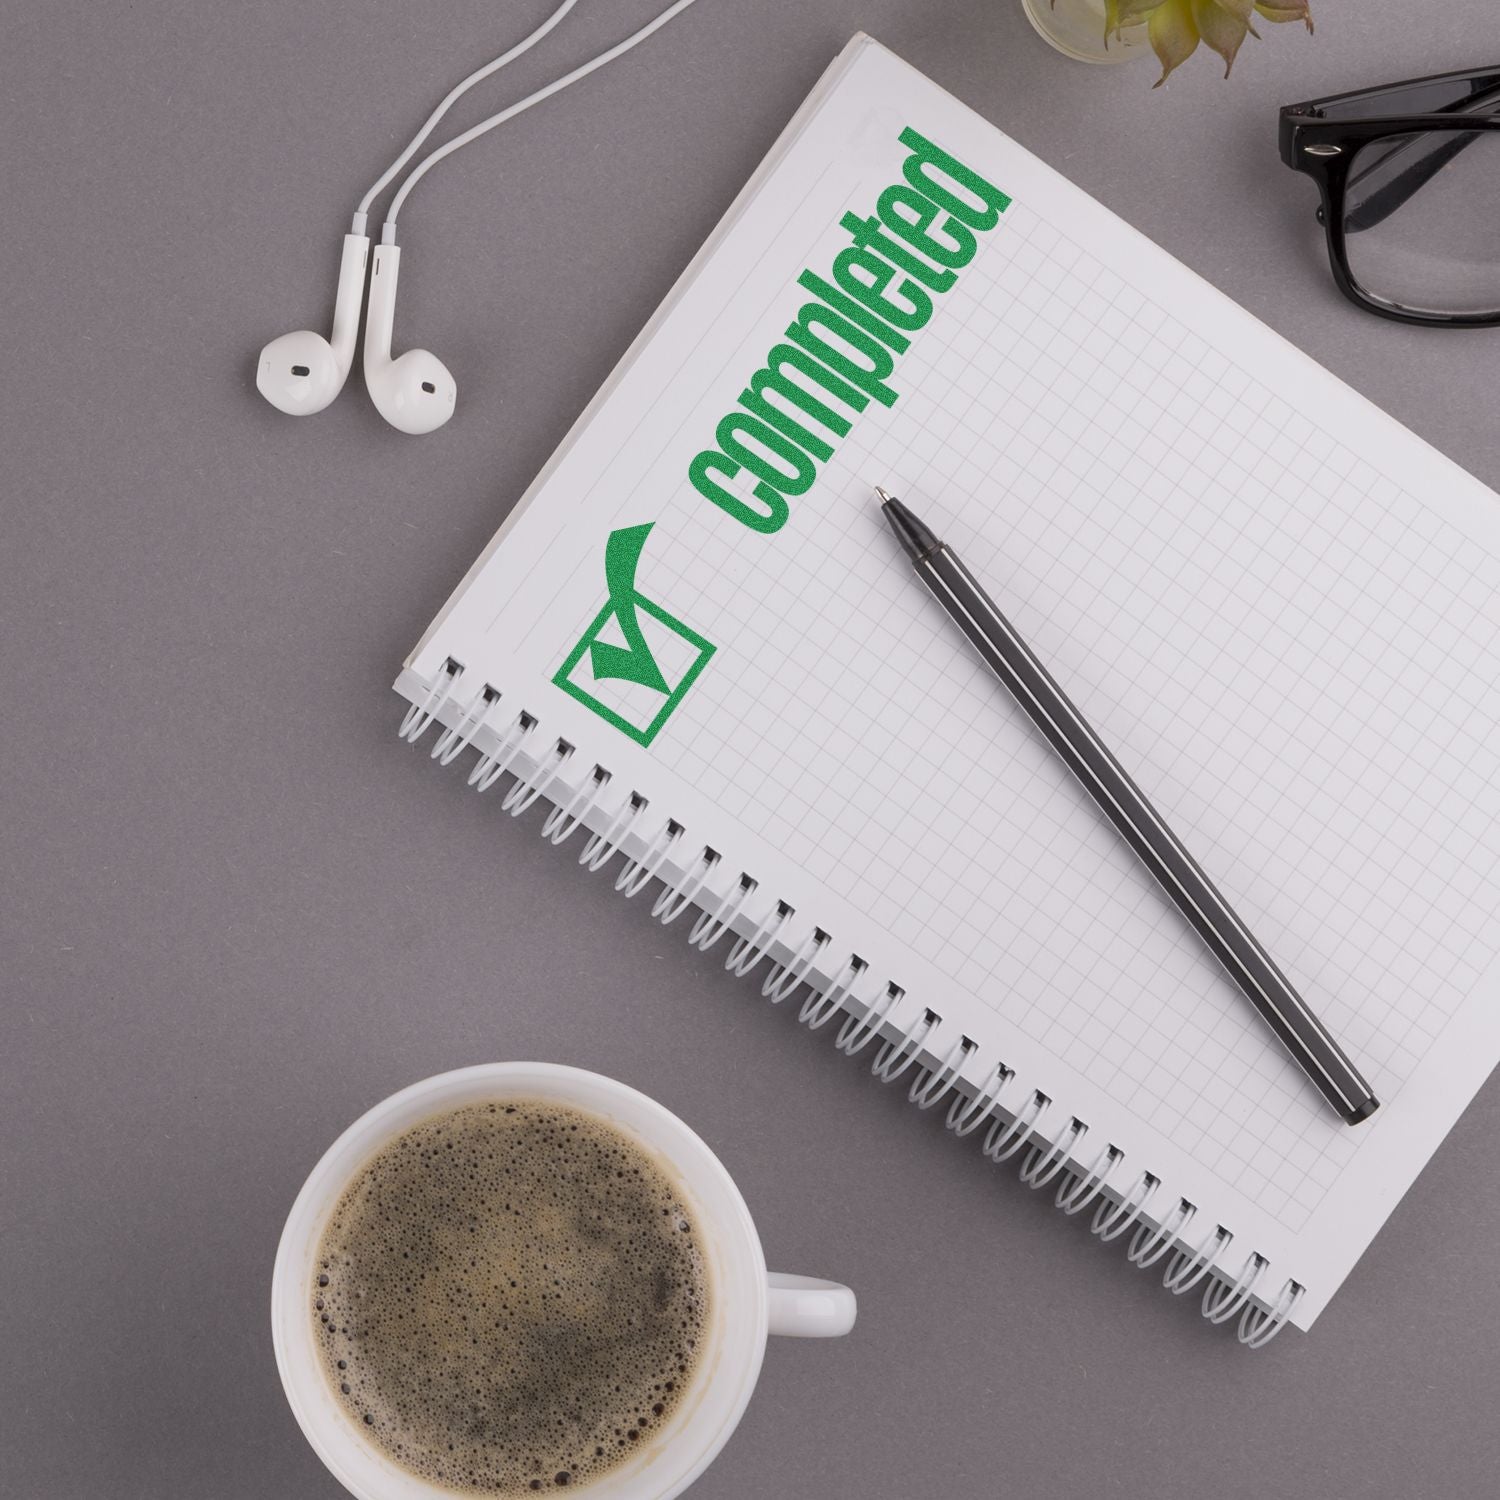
x: 414, y: 393
x: 300, y: 373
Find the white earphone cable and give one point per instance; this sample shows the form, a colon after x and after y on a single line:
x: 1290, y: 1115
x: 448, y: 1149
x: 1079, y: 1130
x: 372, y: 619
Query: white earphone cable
x: 388, y: 233
x: 450, y: 99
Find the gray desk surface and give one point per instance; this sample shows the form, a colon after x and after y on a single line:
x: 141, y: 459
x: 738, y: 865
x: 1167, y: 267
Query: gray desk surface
x: 236, y: 911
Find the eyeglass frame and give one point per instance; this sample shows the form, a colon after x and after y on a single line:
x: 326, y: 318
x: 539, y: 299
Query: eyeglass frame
x: 1325, y: 149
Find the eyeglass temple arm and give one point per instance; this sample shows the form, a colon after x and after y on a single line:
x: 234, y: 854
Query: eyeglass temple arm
x: 1382, y: 203
x: 1386, y: 101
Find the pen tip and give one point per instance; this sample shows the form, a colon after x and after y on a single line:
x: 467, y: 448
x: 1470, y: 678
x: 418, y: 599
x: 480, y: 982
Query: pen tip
x: 884, y: 495
x: 917, y: 538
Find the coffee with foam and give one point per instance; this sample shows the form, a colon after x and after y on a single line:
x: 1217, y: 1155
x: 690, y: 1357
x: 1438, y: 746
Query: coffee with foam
x: 511, y: 1298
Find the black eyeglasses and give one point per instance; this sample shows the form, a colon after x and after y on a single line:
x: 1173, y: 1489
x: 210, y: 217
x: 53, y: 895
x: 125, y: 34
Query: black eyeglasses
x: 1410, y: 178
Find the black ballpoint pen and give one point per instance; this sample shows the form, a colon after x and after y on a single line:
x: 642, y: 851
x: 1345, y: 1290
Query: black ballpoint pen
x: 1123, y: 802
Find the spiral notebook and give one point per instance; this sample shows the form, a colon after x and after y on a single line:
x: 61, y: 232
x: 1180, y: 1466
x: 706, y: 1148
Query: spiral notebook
x: 695, y: 641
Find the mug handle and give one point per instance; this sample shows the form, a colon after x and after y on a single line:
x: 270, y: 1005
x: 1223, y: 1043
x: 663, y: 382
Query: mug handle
x: 802, y: 1307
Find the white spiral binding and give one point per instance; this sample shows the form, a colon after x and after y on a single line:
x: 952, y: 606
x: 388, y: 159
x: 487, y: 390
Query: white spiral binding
x: 821, y: 1006
x: 894, y: 1058
x: 488, y: 769
x: 857, y: 1032
x: 685, y: 882
x: 1078, y: 1189
x: 1223, y: 1299
x: 636, y: 874
x: 1112, y: 1219
x: 1258, y: 1326
x: 559, y: 824
x: 526, y: 789
x: 451, y: 743
x: 1004, y: 1138
x: 745, y: 953
x: 783, y: 980
x: 600, y: 848
x: 1148, y: 1244
x: 709, y: 928
x: 419, y: 716
x: 1185, y: 1271
x: 1040, y: 1167
x: 966, y: 1114
x: 929, y: 1087
x: 674, y: 898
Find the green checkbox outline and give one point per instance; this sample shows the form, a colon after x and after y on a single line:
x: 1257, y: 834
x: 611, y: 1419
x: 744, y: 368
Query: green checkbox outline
x: 641, y: 736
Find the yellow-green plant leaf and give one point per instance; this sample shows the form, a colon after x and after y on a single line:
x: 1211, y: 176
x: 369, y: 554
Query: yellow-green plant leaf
x: 1243, y: 9
x: 1130, y: 12
x: 1173, y: 34
x: 1220, y: 28
x: 1286, y: 10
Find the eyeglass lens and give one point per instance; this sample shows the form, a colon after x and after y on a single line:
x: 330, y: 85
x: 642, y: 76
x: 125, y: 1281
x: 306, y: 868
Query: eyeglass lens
x: 1422, y: 221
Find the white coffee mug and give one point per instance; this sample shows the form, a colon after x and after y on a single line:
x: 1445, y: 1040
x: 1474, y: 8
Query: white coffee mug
x: 748, y: 1302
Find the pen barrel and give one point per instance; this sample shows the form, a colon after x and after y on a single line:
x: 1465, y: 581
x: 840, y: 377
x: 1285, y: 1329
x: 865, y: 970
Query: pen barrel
x: 1159, y: 849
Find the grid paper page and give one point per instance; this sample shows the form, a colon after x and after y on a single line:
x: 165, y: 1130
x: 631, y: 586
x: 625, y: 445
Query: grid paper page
x: 1278, y: 608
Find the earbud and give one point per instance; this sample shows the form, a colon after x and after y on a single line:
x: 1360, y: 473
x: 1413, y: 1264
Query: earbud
x: 414, y: 393
x: 301, y: 372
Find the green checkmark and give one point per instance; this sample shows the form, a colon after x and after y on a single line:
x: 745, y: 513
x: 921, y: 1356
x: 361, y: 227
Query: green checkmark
x: 632, y: 662
x: 635, y: 686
